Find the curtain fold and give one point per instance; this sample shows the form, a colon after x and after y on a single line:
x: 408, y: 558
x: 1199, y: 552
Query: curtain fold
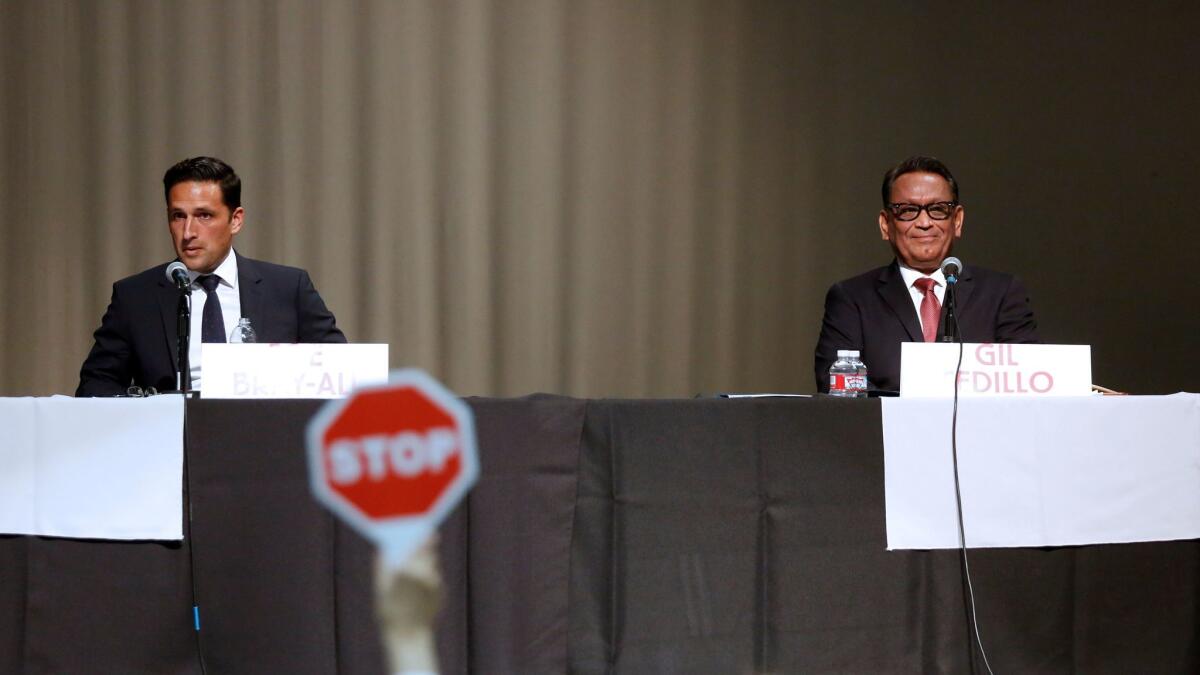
x: 594, y: 197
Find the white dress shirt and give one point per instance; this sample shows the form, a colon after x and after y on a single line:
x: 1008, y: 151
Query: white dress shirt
x: 231, y: 308
x: 910, y: 276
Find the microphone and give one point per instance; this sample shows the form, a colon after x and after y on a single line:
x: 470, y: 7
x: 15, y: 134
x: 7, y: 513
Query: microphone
x: 177, y: 273
x: 952, y: 267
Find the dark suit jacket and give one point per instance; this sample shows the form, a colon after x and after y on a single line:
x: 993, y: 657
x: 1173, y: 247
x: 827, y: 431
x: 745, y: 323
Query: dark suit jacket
x: 874, y: 313
x: 137, y: 341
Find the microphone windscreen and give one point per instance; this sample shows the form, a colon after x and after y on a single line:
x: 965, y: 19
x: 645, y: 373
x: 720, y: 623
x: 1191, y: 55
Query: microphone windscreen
x: 952, y: 265
x: 174, y: 268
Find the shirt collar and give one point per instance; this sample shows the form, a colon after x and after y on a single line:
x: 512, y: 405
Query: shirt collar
x: 227, y: 271
x: 910, y: 275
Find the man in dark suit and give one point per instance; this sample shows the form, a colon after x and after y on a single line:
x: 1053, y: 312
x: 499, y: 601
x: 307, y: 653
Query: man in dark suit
x: 903, y: 302
x: 137, y: 341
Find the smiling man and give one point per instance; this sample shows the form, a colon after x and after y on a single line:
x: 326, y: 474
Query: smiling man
x: 903, y: 302
x: 136, y: 343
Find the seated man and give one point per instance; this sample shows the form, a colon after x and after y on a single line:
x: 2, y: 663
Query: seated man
x: 137, y: 341
x: 902, y: 302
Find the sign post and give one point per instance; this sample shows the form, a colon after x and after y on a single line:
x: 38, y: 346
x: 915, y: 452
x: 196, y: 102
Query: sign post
x: 392, y: 460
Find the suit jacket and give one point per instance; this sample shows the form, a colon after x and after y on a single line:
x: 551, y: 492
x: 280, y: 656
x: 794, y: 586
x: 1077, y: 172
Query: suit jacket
x: 874, y: 313
x: 137, y: 341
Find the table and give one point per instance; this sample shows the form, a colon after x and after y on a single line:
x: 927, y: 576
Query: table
x: 658, y: 536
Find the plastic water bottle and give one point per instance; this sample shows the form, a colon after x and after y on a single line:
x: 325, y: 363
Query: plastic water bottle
x: 860, y: 382
x: 243, y: 332
x: 842, y: 374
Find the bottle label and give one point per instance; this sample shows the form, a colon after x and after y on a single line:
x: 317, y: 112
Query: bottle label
x: 841, y: 382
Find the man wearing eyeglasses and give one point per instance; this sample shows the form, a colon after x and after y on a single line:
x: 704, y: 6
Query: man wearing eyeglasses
x: 903, y: 302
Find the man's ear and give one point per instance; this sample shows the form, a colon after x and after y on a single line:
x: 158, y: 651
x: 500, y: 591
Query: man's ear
x: 235, y: 220
x: 884, y: 226
x: 960, y: 215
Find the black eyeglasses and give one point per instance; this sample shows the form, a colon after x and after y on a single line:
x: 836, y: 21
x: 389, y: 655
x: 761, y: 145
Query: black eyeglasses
x: 936, y: 210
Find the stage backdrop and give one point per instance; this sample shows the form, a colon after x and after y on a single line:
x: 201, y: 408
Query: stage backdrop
x: 604, y: 197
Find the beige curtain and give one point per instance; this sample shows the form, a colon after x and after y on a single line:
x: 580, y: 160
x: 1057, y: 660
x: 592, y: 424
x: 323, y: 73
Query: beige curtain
x: 599, y: 197
x: 517, y: 196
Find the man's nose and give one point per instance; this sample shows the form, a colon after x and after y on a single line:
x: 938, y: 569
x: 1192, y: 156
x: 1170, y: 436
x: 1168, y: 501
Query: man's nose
x: 189, y: 227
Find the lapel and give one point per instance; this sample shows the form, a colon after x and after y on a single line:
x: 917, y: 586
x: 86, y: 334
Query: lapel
x: 250, y: 291
x: 966, y: 283
x: 891, y: 288
x: 168, y: 305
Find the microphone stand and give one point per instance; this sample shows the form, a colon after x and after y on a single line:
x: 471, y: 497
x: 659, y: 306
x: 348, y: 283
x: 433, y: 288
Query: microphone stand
x: 183, y: 374
x: 951, y: 333
x: 183, y: 382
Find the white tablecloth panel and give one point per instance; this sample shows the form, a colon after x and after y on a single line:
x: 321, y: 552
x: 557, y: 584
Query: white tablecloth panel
x: 92, y: 468
x: 1043, y: 471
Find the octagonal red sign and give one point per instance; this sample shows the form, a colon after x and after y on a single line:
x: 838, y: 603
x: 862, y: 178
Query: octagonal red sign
x: 395, y: 457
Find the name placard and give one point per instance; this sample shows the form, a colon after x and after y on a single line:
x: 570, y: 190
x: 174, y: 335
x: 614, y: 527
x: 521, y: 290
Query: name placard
x: 927, y: 370
x: 289, y: 370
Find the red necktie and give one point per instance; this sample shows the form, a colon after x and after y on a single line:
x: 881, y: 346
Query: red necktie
x: 931, y: 309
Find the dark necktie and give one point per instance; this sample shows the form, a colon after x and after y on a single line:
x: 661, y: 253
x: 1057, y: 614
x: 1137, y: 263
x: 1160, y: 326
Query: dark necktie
x: 212, y: 326
x: 931, y: 309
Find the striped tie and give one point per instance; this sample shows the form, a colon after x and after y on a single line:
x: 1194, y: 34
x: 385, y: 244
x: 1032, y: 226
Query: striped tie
x: 931, y: 309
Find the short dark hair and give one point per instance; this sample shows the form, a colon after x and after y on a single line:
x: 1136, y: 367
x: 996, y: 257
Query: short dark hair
x: 206, y: 170
x: 917, y: 163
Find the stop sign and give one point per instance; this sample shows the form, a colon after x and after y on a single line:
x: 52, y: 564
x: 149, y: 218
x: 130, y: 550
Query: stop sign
x: 393, y: 460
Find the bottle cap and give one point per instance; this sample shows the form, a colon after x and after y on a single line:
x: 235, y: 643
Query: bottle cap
x: 851, y: 352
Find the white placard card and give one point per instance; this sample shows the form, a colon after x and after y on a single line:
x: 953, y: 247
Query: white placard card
x: 290, y: 370
x: 927, y: 370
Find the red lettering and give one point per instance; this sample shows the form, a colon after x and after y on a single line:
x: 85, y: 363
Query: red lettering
x: 1047, y: 378
x: 1021, y: 383
x: 986, y: 354
x: 975, y: 378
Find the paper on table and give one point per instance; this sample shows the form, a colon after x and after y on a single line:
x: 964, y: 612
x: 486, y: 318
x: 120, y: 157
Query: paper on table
x: 764, y: 395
